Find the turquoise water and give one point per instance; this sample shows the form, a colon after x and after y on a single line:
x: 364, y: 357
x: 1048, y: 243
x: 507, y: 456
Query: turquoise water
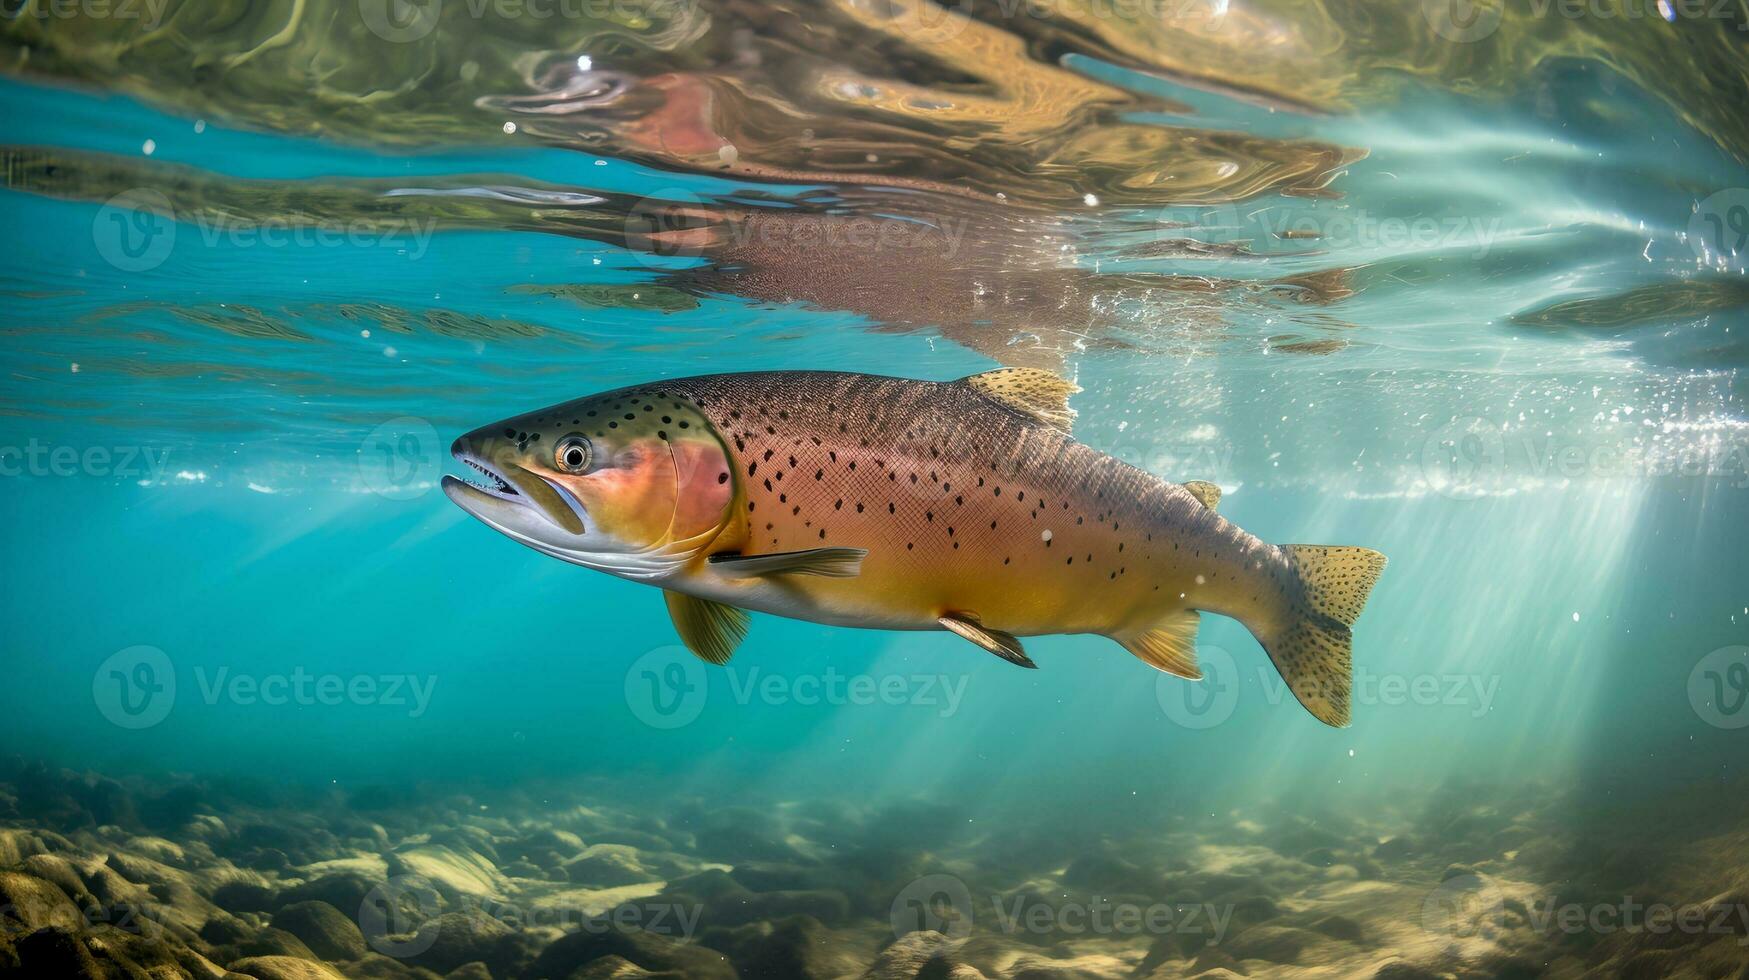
x: 1505, y: 349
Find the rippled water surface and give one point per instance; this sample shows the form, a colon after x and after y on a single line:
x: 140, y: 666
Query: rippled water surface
x: 1465, y: 283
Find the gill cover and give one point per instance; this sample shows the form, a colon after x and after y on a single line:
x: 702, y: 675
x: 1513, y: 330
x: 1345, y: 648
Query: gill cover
x: 657, y: 479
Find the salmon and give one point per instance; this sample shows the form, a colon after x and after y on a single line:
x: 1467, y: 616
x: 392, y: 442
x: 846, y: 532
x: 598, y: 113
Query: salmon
x: 887, y: 503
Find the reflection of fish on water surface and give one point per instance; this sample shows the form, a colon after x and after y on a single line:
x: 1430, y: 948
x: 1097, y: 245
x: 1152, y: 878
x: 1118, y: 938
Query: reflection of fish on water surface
x: 886, y: 503
x: 983, y: 94
x: 998, y: 279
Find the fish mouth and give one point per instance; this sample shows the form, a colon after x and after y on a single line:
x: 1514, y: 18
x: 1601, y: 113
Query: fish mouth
x: 509, y: 496
x: 498, y: 487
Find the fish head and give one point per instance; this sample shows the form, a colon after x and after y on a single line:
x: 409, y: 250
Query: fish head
x: 634, y: 482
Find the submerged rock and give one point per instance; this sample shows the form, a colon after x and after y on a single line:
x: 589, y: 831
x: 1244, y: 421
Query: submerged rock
x: 345, y: 891
x: 1394, y: 849
x: 608, y: 866
x: 274, y: 942
x: 1404, y: 970
x: 327, y: 931
x: 649, y: 951
x: 282, y: 968
x: 446, y: 942
x: 1277, y: 944
x: 798, y: 947
x: 28, y: 904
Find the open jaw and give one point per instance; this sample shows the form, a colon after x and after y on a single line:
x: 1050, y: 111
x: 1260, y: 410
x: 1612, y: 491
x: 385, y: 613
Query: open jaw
x: 496, y: 485
x: 517, y: 502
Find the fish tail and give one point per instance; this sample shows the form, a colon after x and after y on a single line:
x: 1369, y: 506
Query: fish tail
x: 1310, y: 645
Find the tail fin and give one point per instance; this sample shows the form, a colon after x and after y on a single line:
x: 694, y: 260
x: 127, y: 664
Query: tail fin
x: 1312, y: 649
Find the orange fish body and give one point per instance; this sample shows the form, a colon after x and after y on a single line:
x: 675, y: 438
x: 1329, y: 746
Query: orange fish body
x: 887, y: 503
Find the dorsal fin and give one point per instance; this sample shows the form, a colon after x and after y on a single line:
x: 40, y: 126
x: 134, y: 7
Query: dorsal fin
x: 1032, y: 392
x: 1208, y: 493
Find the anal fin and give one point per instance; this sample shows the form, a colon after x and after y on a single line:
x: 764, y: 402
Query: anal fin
x: 709, y: 629
x: 1004, y: 645
x: 1169, y: 646
x: 828, y: 562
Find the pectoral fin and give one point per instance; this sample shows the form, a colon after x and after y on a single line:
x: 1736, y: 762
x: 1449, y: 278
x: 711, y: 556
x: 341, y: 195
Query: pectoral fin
x: 709, y: 629
x: 1208, y: 493
x: 830, y: 562
x: 1004, y: 645
x: 1169, y: 646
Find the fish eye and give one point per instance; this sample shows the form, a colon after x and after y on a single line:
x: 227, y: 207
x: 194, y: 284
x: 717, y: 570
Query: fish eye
x: 572, y: 454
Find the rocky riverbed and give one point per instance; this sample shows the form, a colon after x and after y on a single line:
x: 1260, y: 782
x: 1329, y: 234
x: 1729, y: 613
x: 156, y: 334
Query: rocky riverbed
x: 179, y: 878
